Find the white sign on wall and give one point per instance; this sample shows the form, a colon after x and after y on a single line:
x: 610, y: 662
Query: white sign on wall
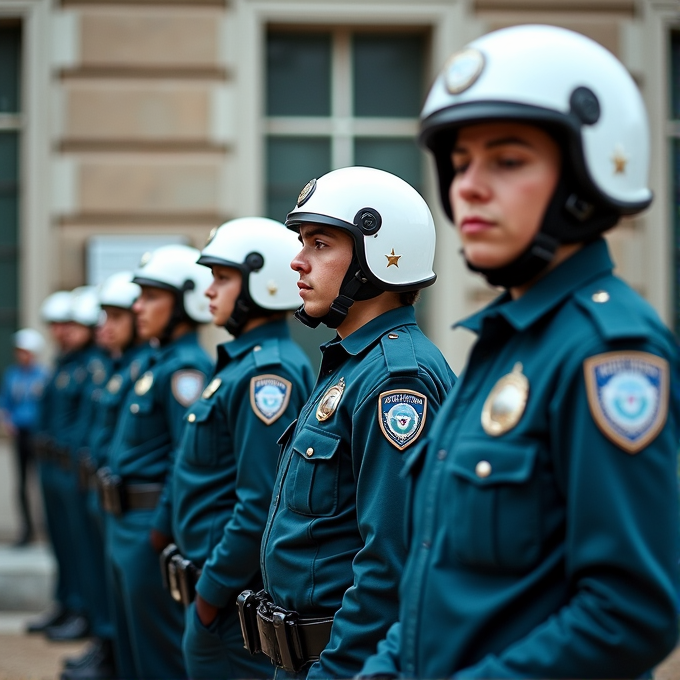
x: 108, y: 254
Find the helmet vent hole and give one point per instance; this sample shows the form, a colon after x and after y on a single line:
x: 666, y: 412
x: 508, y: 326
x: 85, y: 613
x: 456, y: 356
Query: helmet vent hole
x: 585, y: 105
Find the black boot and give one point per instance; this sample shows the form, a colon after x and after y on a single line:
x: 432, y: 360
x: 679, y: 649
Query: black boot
x: 97, y: 664
x: 52, y: 617
x: 73, y: 627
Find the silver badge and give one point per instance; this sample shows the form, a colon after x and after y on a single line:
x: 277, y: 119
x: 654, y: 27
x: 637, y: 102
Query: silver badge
x: 463, y: 69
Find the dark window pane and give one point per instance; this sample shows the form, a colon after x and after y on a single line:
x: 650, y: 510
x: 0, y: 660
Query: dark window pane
x: 675, y: 75
x: 10, y: 54
x: 401, y: 157
x: 291, y: 163
x: 388, y: 75
x: 298, y: 74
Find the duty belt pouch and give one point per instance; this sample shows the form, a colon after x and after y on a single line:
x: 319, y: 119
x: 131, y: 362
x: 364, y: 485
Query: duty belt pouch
x: 164, y: 561
x: 110, y: 492
x: 247, y: 603
x: 288, y: 639
x: 187, y: 577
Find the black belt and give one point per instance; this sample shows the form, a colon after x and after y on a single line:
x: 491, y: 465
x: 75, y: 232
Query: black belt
x: 179, y: 574
x: 118, y: 497
x: 290, y: 641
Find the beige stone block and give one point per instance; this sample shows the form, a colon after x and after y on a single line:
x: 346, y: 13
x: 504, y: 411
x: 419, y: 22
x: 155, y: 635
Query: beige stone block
x: 163, y: 184
x: 147, y: 36
x: 625, y: 6
x: 147, y: 111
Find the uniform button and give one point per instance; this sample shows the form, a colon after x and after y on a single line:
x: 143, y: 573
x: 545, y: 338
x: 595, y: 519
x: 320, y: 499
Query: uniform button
x: 310, y: 451
x: 134, y: 408
x: 483, y: 468
x: 601, y: 296
x: 441, y: 454
x: 392, y: 336
x: 257, y: 348
x: 426, y: 544
x: 192, y: 417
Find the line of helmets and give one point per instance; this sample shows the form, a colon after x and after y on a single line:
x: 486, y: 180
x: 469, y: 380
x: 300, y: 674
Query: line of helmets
x: 580, y: 94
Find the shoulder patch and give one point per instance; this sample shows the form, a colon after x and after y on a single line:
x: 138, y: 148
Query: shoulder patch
x: 269, y: 397
x: 187, y: 386
x: 402, y: 415
x: 628, y: 396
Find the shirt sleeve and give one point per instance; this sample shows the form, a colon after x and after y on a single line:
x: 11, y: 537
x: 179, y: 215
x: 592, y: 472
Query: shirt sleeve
x: 385, y: 662
x: 234, y: 562
x: 621, y: 550
x: 370, y: 606
x: 175, y: 411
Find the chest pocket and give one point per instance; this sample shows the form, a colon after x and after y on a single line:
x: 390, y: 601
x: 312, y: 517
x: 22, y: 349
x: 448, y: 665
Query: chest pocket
x: 313, y: 474
x: 206, y: 437
x: 146, y: 425
x: 496, y: 504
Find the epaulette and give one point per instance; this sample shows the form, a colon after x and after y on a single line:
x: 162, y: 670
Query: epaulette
x: 616, y: 310
x: 267, y: 354
x: 400, y: 356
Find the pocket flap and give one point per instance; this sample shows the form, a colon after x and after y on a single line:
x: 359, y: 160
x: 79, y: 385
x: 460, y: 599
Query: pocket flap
x: 313, y: 444
x: 200, y: 411
x: 287, y: 433
x: 486, y: 463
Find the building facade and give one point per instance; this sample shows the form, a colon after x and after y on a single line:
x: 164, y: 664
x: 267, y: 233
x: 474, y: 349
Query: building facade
x: 125, y: 123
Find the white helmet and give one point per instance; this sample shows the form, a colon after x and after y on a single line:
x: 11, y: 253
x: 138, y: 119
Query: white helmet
x: 174, y: 268
x: 392, y: 228
x: 118, y: 290
x: 56, y: 308
x: 85, y: 308
x: 581, y: 95
x: 30, y: 340
x: 262, y: 250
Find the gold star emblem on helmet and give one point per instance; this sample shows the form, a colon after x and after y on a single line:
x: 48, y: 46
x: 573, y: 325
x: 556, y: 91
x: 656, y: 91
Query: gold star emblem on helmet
x: 272, y: 288
x: 393, y: 259
x: 620, y: 161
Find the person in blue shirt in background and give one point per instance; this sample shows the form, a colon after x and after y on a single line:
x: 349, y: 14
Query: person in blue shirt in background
x: 22, y: 388
x: 224, y: 472
x: 544, y: 535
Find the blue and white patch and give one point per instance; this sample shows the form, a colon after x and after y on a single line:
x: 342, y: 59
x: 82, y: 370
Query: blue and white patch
x: 187, y: 386
x: 402, y: 415
x: 628, y: 396
x: 269, y: 397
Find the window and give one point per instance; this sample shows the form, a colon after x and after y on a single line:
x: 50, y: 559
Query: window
x: 675, y: 159
x: 336, y: 98
x: 10, y: 124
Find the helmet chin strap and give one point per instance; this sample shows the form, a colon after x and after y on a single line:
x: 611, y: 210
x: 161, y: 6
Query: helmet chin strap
x: 568, y: 219
x: 354, y: 287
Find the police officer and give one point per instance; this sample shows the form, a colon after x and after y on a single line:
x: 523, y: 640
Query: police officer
x: 333, y: 550
x: 116, y: 336
x: 545, y: 517
x: 83, y: 369
x: 148, y: 624
x: 226, y: 464
x: 55, y: 311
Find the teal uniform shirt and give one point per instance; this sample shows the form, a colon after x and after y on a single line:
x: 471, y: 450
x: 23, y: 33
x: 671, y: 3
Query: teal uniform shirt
x: 545, y: 517
x: 334, y: 541
x: 123, y: 374
x: 152, y: 417
x: 224, y: 472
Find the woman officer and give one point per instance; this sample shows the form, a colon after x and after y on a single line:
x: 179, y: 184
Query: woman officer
x: 545, y: 515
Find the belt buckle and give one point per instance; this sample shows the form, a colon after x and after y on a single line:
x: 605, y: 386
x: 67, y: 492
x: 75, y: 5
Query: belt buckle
x: 288, y: 639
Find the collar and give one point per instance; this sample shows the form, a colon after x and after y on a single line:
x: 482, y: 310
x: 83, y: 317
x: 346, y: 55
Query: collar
x: 233, y: 349
x: 586, y: 265
x: 369, y: 333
